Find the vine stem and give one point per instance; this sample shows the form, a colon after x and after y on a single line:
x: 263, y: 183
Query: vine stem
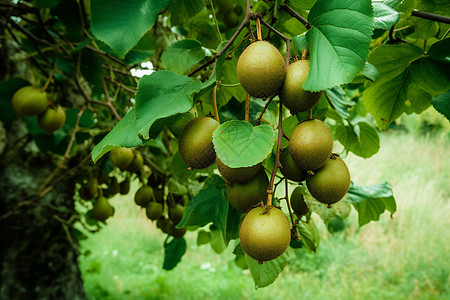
x: 286, y: 39
x: 258, y: 29
x: 215, y: 20
x: 296, y: 15
x: 430, y: 16
x: 216, y: 112
x: 258, y: 121
x: 277, y: 157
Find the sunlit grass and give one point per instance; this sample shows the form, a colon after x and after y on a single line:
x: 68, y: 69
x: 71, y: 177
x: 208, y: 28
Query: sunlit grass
x: 407, y: 257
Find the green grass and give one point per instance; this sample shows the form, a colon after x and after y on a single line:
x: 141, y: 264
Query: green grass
x: 407, y: 257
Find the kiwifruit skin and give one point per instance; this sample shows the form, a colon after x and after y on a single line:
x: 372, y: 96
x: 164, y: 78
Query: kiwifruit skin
x: 310, y: 144
x: 102, y: 210
x: 52, y: 119
x: 243, y: 196
x: 176, y: 232
x: 290, y: 169
x: 298, y: 203
x: 261, y: 69
x: 265, y: 233
x: 239, y: 175
x: 176, y: 213
x: 330, y: 183
x: 121, y: 157
x: 177, y: 122
x: 195, y: 145
x: 137, y: 163
x: 29, y: 101
x: 143, y: 195
x: 163, y: 224
x: 292, y: 94
x: 154, y: 210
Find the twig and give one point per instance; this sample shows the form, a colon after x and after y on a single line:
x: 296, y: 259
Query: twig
x: 121, y: 85
x: 154, y: 167
x: 296, y: 15
x: 285, y: 38
x: 216, y: 112
x: 294, y: 230
x: 430, y: 16
x: 75, y: 129
x: 108, y: 56
x: 215, y: 20
x: 258, y: 120
x: 109, y: 101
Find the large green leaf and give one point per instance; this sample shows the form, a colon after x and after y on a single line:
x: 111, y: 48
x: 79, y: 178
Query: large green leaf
x: 442, y: 104
x: 121, y: 24
x: 371, y: 201
x: 234, y: 219
x: 337, y: 98
x: 239, y: 144
x: 163, y: 94
x: 440, y: 50
x: 431, y: 75
x: 362, y: 140
x: 265, y: 274
x: 182, y: 55
x: 384, y: 16
x: 124, y: 134
x: 182, y: 11
x: 340, y: 37
x: 209, y: 205
x: 173, y: 252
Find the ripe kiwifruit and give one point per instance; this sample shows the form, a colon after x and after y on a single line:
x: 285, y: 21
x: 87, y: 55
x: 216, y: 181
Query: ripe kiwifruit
x: 143, y: 195
x: 52, y: 119
x: 102, y: 210
x: 125, y: 186
x: 243, y: 196
x: 310, y: 144
x: 176, y: 232
x: 240, y: 175
x: 113, y: 186
x: 137, y: 163
x: 121, y: 157
x: 154, y: 210
x: 265, y: 233
x: 330, y: 183
x: 176, y: 123
x: 163, y: 224
x: 298, y: 203
x: 261, y: 69
x: 195, y: 145
x: 292, y: 94
x: 290, y: 169
x: 176, y: 213
x: 29, y: 101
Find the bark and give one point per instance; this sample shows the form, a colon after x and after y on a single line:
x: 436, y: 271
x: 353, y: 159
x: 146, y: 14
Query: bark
x: 38, y: 250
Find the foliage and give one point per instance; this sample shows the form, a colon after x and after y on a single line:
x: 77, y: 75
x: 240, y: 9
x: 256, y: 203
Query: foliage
x: 82, y: 53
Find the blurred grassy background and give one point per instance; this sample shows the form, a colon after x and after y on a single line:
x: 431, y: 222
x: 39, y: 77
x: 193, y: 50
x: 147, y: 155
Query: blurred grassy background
x: 407, y: 257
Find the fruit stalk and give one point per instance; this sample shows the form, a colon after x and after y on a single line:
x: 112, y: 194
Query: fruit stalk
x: 294, y: 230
x: 285, y: 38
x: 74, y: 132
x: 216, y: 112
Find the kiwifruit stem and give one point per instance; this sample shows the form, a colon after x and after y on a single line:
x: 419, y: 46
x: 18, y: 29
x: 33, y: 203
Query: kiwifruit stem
x: 258, y: 29
x: 304, y: 52
x: 47, y: 83
x: 258, y: 121
x: 294, y: 225
x: 216, y: 112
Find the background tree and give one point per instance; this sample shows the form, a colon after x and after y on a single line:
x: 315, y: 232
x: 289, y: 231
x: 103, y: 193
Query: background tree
x: 373, y: 61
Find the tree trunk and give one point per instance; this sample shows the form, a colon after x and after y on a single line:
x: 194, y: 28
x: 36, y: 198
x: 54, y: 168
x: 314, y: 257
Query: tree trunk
x: 38, y: 249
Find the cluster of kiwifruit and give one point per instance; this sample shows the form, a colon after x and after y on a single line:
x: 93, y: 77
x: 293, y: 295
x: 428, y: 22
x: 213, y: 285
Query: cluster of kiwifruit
x: 166, y: 210
x: 31, y: 101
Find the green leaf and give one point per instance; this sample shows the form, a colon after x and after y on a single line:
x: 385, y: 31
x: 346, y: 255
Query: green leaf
x: 371, y: 201
x: 431, y: 75
x: 300, y: 42
x: 309, y: 234
x: 209, y: 205
x: 370, y: 71
x: 442, y: 104
x: 337, y: 98
x: 340, y: 36
x: 91, y: 67
x: 301, y: 4
x: 121, y: 24
x: 440, y: 49
x: 47, y: 3
x: 265, y: 274
x: 425, y: 29
x: 145, y: 48
x: 385, y: 98
x: 173, y: 252
x: 390, y: 3
x: 384, y: 16
x: 234, y: 219
x: 362, y: 140
x: 7, y: 91
x: 182, y: 11
x: 239, y: 144
x: 182, y: 55
x: 162, y: 94
x: 124, y: 134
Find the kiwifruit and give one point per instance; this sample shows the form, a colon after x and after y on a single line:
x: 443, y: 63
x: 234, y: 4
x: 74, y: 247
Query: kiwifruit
x: 240, y: 175
x: 176, y: 123
x: 176, y: 232
x: 102, y: 210
x: 298, y: 203
x: 125, y: 186
x: 290, y: 169
x: 243, y: 196
x: 143, y: 195
x: 113, y: 187
x: 335, y: 224
x: 52, y: 119
x: 154, y: 210
x: 176, y: 213
x: 310, y: 144
x: 29, y: 101
x: 90, y: 189
x: 265, y: 233
x: 163, y: 224
x: 195, y: 145
x: 261, y: 69
x: 330, y: 183
x: 121, y: 157
x: 292, y: 94
x: 137, y: 163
